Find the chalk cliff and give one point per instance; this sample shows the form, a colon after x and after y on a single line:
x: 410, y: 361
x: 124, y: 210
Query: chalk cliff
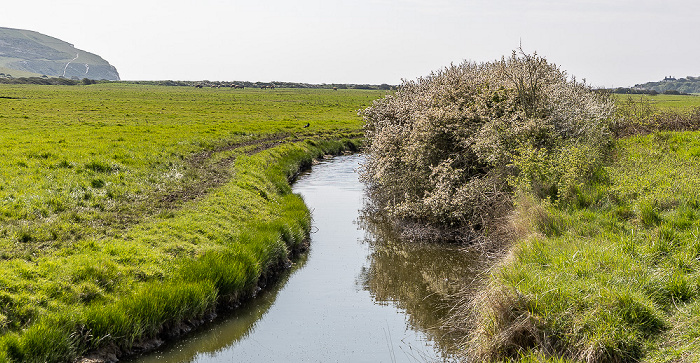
x: 28, y: 53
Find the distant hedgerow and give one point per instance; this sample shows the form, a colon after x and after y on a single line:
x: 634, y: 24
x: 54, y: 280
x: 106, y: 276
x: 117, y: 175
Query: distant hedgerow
x: 449, y: 149
x: 639, y: 117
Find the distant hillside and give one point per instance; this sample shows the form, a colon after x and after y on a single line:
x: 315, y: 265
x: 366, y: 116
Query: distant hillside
x: 671, y: 84
x: 25, y: 53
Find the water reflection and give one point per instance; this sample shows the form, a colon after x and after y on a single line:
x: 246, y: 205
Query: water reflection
x: 360, y: 296
x: 418, y: 277
x: 228, y: 328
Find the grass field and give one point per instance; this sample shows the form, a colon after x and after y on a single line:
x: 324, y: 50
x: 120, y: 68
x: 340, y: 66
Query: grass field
x: 664, y: 102
x: 613, y: 276
x: 128, y: 209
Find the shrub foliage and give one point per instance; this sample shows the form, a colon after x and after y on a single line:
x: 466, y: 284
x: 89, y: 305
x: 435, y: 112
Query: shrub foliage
x: 450, y: 148
x: 640, y: 117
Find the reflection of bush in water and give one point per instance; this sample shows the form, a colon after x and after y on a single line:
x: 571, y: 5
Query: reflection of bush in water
x: 420, y: 278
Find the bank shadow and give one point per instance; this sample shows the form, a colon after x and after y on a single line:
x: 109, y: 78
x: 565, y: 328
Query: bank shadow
x: 226, y: 330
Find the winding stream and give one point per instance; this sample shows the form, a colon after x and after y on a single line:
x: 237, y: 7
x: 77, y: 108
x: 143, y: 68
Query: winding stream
x: 358, y: 296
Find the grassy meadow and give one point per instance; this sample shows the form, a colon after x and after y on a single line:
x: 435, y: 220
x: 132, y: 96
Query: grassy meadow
x: 663, y: 102
x: 614, y: 274
x: 127, y: 211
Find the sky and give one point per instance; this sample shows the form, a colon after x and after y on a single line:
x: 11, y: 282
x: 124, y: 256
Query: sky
x: 610, y: 43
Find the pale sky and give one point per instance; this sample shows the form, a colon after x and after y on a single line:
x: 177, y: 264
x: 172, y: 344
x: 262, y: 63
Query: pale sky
x: 609, y: 43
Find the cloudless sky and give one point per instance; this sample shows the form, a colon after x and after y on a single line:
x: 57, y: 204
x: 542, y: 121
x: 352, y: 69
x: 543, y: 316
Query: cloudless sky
x: 607, y: 42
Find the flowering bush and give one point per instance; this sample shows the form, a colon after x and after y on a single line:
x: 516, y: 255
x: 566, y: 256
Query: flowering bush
x: 448, y: 149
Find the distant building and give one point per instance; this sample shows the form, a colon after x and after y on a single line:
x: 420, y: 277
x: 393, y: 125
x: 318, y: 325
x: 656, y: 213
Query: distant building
x: 669, y: 78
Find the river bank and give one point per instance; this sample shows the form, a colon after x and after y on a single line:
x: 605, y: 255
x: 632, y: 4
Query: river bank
x: 359, y: 295
x: 130, y: 211
x: 601, y: 197
x: 230, y: 267
x: 611, y: 277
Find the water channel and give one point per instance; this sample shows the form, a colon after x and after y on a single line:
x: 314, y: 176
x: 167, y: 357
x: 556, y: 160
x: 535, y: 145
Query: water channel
x: 357, y: 296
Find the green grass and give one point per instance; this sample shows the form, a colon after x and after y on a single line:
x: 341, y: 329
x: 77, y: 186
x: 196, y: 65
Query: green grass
x: 126, y: 210
x: 613, y: 279
x: 78, y: 160
x: 665, y: 102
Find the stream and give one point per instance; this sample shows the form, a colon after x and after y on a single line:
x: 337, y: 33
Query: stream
x: 357, y: 296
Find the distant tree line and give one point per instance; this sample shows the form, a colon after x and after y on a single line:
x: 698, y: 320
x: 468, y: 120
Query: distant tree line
x: 652, y: 92
x: 248, y: 84
x: 59, y: 81
x: 39, y: 80
x: 671, y: 85
x: 46, y: 81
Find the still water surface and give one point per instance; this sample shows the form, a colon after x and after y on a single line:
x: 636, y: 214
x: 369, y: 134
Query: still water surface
x: 358, y: 296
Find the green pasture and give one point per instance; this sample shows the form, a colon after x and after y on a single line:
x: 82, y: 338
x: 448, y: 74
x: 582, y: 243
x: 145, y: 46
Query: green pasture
x: 126, y: 209
x: 664, y: 102
x: 73, y: 157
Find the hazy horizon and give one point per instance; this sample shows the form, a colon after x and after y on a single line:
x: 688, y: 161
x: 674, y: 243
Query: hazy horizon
x: 610, y: 44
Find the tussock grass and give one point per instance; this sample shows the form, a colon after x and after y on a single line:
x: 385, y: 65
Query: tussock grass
x: 615, y: 279
x: 166, y: 272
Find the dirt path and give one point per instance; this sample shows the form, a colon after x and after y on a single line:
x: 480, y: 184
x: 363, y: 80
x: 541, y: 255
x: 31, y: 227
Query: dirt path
x: 202, y: 176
